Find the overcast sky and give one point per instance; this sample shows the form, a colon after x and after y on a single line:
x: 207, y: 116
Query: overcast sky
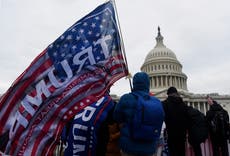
x: 197, y: 31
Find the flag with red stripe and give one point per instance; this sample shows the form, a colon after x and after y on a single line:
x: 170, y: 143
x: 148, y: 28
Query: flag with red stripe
x: 71, y: 73
x: 83, y: 135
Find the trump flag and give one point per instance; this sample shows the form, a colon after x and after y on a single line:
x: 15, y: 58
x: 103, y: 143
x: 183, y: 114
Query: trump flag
x: 71, y: 73
x: 84, y: 135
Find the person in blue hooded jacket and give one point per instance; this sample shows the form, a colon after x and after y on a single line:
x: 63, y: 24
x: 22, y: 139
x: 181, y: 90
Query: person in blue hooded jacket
x: 124, y: 112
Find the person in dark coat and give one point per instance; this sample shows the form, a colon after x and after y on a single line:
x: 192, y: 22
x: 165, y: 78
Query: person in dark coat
x: 197, y: 129
x: 103, y: 135
x: 175, y: 121
x: 218, y: 138
x: 113, y: 144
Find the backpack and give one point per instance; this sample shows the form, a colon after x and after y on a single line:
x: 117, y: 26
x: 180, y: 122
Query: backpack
x: 197, y: 126
x: 148, y: 119
x: 219, y: 123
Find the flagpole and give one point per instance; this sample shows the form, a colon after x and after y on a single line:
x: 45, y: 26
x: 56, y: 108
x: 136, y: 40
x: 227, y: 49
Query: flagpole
x: 122, y: 43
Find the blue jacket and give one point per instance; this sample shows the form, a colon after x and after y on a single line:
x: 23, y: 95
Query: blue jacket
x: 123, y: 113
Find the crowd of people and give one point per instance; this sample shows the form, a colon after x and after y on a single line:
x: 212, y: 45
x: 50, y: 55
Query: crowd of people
x: 133, y: 126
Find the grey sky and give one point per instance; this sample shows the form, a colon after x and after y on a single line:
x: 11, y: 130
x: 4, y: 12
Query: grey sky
x: 197, y: 31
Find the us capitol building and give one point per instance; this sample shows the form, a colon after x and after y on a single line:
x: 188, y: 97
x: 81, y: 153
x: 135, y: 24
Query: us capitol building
x: 165, y: 70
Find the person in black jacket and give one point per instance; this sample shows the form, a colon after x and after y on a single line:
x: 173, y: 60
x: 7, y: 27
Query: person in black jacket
x: 175, y: 120
x: 197, y: 129
x: 220, y: 133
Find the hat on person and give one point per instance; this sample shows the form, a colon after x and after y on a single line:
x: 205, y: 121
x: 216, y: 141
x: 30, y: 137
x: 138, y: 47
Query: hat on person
x: 171, y: 90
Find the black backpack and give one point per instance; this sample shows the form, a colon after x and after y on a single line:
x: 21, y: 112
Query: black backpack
x: 220, y: 124
x: 197, y: 126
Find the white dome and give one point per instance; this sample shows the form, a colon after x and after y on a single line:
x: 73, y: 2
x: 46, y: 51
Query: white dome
x: 163, y: 68
x: 160, y: 51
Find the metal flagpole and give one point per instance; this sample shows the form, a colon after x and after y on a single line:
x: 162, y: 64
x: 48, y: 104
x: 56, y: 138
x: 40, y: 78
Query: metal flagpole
x: 122, y: 43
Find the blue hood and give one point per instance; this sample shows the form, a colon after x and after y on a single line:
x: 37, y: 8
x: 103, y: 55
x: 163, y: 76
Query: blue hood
x: 141, y: 82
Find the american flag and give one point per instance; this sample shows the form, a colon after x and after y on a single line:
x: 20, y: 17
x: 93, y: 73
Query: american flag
x: 70, y: 74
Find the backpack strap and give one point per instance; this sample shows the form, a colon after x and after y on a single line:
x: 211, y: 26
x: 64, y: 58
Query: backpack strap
x: 138, y: 96
x: 139, y: 105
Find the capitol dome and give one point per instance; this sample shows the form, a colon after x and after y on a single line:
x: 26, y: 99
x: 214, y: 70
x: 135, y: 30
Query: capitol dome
x: 163, y: 68
x: 160, y: 50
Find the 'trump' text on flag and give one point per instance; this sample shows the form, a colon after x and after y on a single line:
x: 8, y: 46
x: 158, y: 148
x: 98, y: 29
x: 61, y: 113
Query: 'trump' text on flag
x: 83, y: 134
x: 70, y: 74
